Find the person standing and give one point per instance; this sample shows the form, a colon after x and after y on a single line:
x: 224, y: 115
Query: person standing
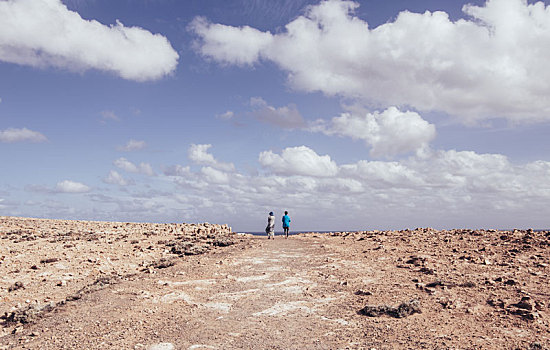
x: 270, y: 228
x: 286, y: 223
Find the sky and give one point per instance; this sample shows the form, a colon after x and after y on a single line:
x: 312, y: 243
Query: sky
x: 351, y: 115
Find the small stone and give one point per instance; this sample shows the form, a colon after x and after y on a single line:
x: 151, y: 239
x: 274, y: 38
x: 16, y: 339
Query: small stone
x: 162, y: 346
x: 539, y: 305
x: 510, y: 282
x: 362, y: 292
x: 429, y: 290
x: 61, y: 283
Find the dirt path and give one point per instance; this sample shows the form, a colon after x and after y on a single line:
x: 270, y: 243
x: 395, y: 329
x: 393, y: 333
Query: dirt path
x: 305, y: 293
x: 276, y: 294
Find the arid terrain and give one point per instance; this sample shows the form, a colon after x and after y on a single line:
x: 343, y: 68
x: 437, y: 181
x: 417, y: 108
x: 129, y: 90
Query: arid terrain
x: 108, y: 285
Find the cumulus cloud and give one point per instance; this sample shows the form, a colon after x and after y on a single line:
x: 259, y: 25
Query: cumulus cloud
x: 46, y: 33
x: 12, y: 135
x: 300, y: 160
x: 132, y: 145
x: 126, y: 165
x: 433, y: 187
x: 492, y: 64
x: 177, y: 170
x: 285, y: 117
x: 228, y: 44
x: 199, y: 154
x: 388, y: 133
x: 442, y: 188
x: 68, y: 186
x: 114, y: 178
x: 214, y: 175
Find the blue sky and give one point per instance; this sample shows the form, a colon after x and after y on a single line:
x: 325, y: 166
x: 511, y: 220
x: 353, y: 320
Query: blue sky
x: 350, y: 115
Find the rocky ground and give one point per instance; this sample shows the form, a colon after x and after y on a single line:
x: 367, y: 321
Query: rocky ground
x: 91, y: 285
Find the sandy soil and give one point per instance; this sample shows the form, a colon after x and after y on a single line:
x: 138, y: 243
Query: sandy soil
x: 421, y: 289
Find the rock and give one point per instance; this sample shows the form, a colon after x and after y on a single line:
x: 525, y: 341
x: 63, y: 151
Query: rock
x: 496, y: 303
x: 161, y: 346
x: 540, y: 305
x: 427, y: 271
x: 447, y: 303
x: 525, y: 314
x: 403, y: 310
x: 27, y: 314
x: 222, y: 242
x: 17, y: 285
x: 362, y: 292
x: 162, y: 263
x: 525, y: 303
x: 49, y: 260
x: 61, y: 283
x: 187, y: 248
x: 468, y: 284
x: 416, y: 260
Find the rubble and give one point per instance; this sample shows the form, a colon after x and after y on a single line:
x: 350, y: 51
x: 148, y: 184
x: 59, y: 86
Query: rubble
x: 403, y: 310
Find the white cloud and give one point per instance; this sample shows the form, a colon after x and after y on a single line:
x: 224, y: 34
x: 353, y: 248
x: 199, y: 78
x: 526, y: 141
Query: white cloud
x: 491, y: 65
x: 227, y: 115
x: 298, y: 161
x: 227, y: 44
x: 177, y: 170
x: 68, y: 186
x: 441, y: 188
x: 285, y: 117
x: 126, y: 165
x: 46, y: 33
x: 132, y: 145
x: 115, y: 178
x: 199, y: 154
x: 383, y: 174
x: 215, y: 176
x: 12, y: 135
x: 389, y: 133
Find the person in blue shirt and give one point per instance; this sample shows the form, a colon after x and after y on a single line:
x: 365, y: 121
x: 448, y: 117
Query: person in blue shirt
x: 286, y: 223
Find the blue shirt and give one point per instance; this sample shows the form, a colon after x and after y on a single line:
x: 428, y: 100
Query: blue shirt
x: 286, y: 221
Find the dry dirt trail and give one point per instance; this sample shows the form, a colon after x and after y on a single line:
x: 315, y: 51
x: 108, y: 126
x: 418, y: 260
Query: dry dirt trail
x: 261, y: 294
x: 475, y: 290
